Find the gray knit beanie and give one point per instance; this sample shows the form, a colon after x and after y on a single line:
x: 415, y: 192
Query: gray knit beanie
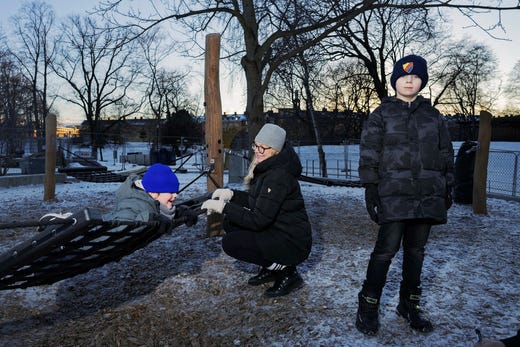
x: 271, y: 135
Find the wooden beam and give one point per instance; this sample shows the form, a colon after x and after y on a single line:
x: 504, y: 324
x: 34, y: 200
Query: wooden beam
x: 213, y: 127
x: 50, y: 158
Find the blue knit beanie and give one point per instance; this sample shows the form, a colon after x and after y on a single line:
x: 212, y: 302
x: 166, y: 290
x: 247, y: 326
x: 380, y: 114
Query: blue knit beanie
x: 160, y: 179
x: 410, y: 65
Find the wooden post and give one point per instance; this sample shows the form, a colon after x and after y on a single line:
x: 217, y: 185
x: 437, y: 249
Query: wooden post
x: 481, y: 163
x: 213, y: 127
x: 50, y: 158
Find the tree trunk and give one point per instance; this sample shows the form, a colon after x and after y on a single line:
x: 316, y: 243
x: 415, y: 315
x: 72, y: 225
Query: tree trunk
x: 321, y: 153
x: 255, y: 99
x: 310, y: 110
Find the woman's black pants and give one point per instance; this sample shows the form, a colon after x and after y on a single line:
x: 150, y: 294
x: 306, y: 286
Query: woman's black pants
x: 241, y: 244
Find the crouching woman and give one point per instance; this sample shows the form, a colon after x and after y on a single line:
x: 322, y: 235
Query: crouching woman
x: 268, y: 224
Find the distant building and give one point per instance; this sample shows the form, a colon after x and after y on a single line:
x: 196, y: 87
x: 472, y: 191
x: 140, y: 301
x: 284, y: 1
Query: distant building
x: 334, y: 127
x: 129, y: 130
x: 67, y: 131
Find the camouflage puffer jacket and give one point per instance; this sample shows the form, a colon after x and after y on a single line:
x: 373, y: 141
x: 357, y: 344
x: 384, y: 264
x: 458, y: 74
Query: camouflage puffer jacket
x: 406, y: 150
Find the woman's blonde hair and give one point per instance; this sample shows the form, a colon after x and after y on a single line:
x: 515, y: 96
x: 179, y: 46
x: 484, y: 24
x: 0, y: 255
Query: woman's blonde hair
x: 251, y: 170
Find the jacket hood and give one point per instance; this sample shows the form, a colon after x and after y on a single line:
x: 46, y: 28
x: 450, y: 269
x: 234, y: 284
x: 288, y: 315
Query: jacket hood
x: 129, y: 190
x: 419, y: 100
x: 132, y: 202
x: 286, y: 160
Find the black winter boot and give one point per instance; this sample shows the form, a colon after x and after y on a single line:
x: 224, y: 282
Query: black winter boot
x: 286, y: 281
x: 264, y: 276
x: 410, y: 310
x: 367, y: 317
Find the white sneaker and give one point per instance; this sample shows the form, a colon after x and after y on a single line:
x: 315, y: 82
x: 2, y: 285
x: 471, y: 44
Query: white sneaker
x: 49, y: 217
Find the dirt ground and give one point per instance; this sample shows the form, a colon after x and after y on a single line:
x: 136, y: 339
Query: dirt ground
x: 182, y: 290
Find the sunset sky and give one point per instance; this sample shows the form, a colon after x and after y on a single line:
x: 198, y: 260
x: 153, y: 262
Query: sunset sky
x: 232, y: 86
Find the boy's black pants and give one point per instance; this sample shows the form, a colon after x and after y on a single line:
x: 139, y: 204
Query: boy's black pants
x: 414, y: 235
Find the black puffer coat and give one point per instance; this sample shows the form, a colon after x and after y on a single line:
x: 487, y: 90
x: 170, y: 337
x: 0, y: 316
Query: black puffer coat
x: 406, y: 150
x: 274, y: 209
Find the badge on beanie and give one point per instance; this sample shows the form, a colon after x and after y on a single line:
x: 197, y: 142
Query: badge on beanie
x: 408, y: 67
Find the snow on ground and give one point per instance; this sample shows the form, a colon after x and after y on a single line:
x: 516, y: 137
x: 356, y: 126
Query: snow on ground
x: 183, y: 290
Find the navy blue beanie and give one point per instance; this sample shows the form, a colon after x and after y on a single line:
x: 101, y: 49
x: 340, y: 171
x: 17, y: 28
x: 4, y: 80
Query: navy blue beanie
x: 410, y: 65
x: 160, y: 179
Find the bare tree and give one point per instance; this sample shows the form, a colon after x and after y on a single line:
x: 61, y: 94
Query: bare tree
x: 472, y: 65
x: 512, y: 89
x: 378, y: 37
x: 304, y: 70
x: 468, y: 90
x: 15, y: 97
x: 444, y: 73
x: 170, y: 94
x: 348, y: 86
x: 307, y: 67
x: 34, y: 52
x: 166, y: 91
x: 100, y: 67
x: 461, y: 80
x: 251, y: 28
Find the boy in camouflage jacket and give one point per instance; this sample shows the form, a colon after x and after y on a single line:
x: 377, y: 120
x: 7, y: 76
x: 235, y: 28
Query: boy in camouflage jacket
x: 406, y: 167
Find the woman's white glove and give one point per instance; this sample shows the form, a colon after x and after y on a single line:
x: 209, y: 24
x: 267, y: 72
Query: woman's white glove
x: 222, y: 194
x: 213, y: 206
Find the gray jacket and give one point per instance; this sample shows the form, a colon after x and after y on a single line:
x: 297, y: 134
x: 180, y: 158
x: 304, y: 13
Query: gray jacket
x: 406, y: 150
x: 133, y: 203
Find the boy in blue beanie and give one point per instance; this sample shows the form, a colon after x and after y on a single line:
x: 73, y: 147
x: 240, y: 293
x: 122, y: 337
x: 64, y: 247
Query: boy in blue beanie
x: 142, y: 199
x: 406, y: 167
x: 153, y: 195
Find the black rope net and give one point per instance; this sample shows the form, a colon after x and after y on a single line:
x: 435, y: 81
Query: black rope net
x: 66, y: 250
x: 96, y: 176
x: 79, y: 243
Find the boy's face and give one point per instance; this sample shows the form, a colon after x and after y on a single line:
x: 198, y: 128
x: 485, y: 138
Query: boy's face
x: 167, y: 199
x: 407, y: 87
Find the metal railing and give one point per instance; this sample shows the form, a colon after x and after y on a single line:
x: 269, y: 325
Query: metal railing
x: 342, y: 161
x: 503, y: 179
